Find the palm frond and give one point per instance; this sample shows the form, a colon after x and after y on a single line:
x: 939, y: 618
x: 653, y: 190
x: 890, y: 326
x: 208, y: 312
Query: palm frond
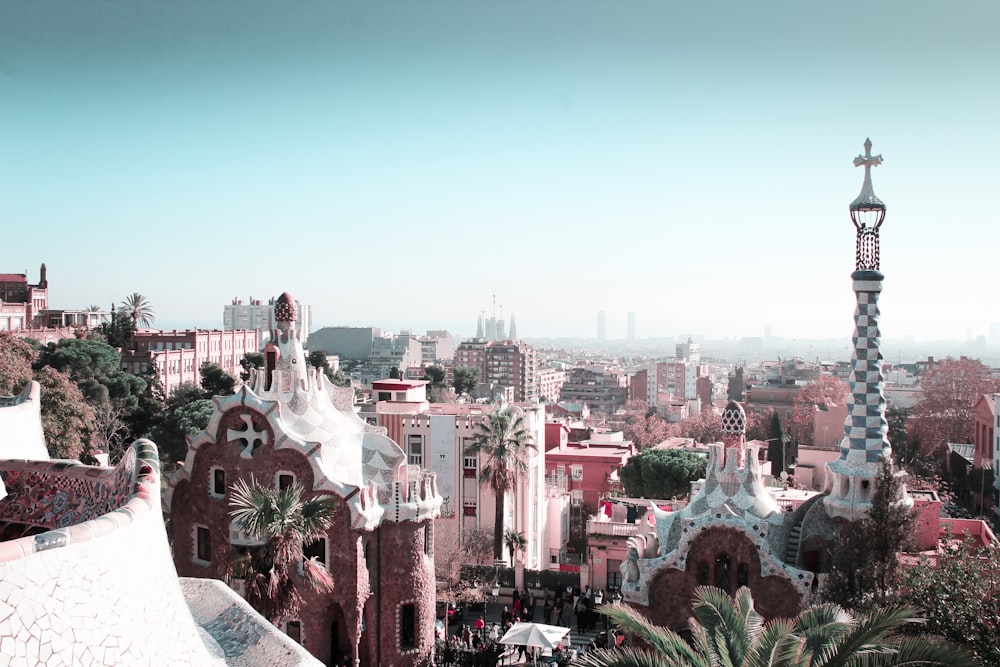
x: 870, y: 634
x: 630, y: 657
x: 777, y: 645
x: 731, y: 621
x: 820, y: 627
x: 663, y: 642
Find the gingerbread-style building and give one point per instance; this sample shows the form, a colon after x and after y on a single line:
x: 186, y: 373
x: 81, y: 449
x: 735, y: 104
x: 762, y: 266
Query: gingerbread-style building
x: 287, y: 425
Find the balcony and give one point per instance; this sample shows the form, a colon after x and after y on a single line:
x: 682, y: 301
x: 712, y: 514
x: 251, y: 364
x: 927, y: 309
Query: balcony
x: 614, y: 528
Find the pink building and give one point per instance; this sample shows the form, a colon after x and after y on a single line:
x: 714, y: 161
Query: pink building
x: 589, y: 467
x: 179, y: 355
x: 290, y: 425
x: 985, y: 426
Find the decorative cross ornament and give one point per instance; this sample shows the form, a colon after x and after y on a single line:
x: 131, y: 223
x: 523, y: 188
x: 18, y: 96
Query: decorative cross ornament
x: 249, y: 434
x: 868, y: 160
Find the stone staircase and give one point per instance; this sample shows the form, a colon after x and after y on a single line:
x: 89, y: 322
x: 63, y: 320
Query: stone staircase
x: 794, y: 538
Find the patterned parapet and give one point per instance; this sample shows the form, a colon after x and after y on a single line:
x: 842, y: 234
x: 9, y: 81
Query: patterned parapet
x: 86, y: 576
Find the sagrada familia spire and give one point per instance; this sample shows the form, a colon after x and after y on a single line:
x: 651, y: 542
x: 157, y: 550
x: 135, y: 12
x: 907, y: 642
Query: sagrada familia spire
x: 866, y: 429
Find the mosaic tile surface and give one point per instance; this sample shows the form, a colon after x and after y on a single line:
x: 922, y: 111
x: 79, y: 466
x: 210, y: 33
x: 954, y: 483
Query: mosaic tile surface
x: 100, y: 588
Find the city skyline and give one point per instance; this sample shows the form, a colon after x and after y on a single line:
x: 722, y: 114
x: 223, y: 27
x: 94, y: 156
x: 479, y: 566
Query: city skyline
x: 567, y: 157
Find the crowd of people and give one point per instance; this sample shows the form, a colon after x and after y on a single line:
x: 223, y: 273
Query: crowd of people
x: 559, y: 607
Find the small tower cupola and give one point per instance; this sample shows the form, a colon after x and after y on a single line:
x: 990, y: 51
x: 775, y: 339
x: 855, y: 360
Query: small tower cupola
x: 867, y: 213
x: 734, y: 425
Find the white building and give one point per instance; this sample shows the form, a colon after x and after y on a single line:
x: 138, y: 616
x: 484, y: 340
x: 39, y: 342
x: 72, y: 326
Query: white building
x: 437, y: 435
x: 259, y: 315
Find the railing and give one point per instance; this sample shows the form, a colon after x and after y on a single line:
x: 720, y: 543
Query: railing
x: 613, y: 528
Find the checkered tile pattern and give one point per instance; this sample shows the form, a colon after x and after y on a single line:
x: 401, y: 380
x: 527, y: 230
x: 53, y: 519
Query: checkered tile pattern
x: 866, y: 427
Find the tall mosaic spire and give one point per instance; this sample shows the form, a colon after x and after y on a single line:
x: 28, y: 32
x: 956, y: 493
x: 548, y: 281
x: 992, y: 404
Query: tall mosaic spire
x: 866, y: 429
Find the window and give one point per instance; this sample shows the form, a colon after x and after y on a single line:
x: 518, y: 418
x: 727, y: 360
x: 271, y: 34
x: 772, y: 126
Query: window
x: 202, y: 544
x: 703, y: 573
x: 722, y: 576
x: 614, y: 573
x: 469, y: 466
x: 294, y: 630
x: 218, y: 482
x: 407, y: 626
x: 285, y: 480
x: 415, y: 450
x: 316, y: 550
x: 742, y: 574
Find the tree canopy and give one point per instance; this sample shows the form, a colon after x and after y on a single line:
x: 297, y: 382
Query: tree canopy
x: 252, y: 360
x: 662, y: 473
x: 948, y: 394
x: 186, y: 412
x: 957, y: 595
x: 824, y: 390
x: 16, y: 356
x: 67, y: 418
x: 215, y: 381
x: 465, y: 379
x: 865, y: 568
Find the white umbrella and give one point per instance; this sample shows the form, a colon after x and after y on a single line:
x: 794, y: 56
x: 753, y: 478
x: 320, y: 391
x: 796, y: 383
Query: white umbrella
x: 536, y: 635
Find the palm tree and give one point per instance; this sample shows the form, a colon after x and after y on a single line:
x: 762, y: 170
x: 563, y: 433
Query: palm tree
x: 503, y: 438
x: 284, y: 524
x: 728, y: 631
x: 139, y: 309
x: 515, y: 542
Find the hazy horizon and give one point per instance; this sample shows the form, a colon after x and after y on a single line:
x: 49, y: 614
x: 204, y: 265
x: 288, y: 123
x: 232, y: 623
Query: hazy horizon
x: 398, y: 163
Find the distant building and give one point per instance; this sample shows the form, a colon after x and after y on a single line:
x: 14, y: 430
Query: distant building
x: 436, y: 347
x: 21, y: 301
x: 179, y: 355
x: 505, y: 364
x: 677, y: 379
x: 348, y: 343
x: 689, y: 351
x: 255, y: 314
x: 603, y: 388
x: 550, y: 382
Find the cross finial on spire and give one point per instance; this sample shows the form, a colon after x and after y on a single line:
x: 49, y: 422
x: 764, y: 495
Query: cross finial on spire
x: 867, y: 199
x: 868, y: 160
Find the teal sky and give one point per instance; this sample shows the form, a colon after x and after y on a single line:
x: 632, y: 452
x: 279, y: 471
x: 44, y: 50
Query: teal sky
x: 397, y: 163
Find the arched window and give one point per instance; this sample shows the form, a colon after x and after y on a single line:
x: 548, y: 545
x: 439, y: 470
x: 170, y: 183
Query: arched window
x: 742, y: 574
x: 723, y: 579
